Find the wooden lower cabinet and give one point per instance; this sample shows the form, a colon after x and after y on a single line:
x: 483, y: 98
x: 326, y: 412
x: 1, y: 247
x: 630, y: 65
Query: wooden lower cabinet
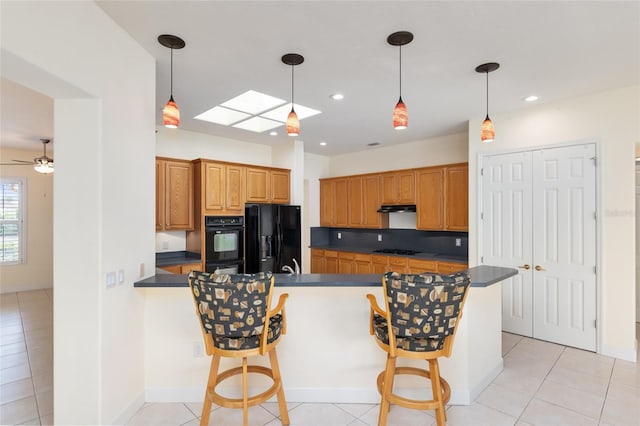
x: 399, y: 264
x: 330, y: 262
x: 451, y: 267
x: 417, y: 266
x: 183, y: 268
x: 317, y: 261
x: 379, y: 264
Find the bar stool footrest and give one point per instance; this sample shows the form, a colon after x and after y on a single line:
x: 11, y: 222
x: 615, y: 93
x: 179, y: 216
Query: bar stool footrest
x: 251, y: 400
x: 414, y: 403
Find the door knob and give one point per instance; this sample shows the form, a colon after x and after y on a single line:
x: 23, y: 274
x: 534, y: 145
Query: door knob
x: 525, y: 266
x: 540, y: 268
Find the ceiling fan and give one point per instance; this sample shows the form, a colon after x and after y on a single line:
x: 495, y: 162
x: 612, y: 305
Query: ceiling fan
x: 43, y: 164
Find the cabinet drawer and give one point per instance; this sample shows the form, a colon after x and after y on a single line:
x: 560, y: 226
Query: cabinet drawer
x: 418, y: 266
x: 451, y: 267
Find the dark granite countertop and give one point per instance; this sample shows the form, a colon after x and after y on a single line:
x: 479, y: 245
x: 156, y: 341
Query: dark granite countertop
x: 176, y: 258
x: 481, y: 276
x: 419, y: 255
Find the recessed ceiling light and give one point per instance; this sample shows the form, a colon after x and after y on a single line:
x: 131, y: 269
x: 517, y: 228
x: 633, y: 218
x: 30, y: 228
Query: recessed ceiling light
x: 273, y: 133
x: 531, y: 98
x: 323, y: 144
x: 337, y: 96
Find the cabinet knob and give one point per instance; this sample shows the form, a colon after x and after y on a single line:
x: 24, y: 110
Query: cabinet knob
x: 525, y: 266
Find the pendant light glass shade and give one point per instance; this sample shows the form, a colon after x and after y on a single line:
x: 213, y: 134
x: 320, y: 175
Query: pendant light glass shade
x: 293, y: 124
x: 400, y: 116
x: 400, y: 112
x: 171, y: 113
x: 487, y: 129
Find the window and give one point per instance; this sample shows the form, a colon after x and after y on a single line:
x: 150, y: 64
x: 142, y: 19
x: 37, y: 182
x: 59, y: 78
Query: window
x: 11, y: 220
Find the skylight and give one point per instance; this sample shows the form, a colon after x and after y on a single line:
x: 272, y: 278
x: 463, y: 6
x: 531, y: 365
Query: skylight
x: 254, y: 111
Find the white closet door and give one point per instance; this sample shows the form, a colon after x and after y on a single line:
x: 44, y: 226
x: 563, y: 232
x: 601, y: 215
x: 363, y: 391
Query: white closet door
x: 564, y: 241
x: 507, y: 233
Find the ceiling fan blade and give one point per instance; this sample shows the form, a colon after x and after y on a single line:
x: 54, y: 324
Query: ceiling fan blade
x: 23, y: 161
x: 17, y: 164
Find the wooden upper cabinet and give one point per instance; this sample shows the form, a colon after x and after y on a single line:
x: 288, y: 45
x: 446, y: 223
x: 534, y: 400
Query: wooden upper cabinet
x: 398, y: 187
x: 354, y: 197
x: 341, y: 207
x: 327, y: 202
x: 457, y: 198
x: 280, y: 186
x: 174, y: 194
x: 371, y: 203
x: 220, y: 187
x: 429, y: 198
x: 266, y: 185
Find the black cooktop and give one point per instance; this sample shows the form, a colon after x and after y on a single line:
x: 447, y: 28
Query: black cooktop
x: 397, y: 251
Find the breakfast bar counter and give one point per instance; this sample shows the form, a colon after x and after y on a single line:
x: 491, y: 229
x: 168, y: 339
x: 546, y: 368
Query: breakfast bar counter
x: 327, y: 354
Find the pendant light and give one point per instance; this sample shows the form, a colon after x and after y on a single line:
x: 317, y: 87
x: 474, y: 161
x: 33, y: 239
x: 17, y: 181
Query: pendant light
x: 171, y: 113
x: 293, y: 124
x: 400, y: 113
x: 487, y: 130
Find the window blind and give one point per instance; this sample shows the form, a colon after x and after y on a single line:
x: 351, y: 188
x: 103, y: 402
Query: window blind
x: 11, y: 220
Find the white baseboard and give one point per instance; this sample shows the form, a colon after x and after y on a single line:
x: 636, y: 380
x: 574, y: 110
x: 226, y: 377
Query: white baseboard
x: 132, y: 409
x: 621, y: 353
x: 486, y: 381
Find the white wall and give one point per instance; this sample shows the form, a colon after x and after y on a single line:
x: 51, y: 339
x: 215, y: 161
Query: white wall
x: 103, y: 84
x: 423, y: 153
x: 612, y: 119
x: 37, y: 271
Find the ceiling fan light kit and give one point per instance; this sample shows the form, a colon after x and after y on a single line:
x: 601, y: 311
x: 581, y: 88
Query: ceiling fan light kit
x: 400, y: 113
x: 293, y: 124
x: 171, y: 113
x: 43, y: 164
x: 487, y: 129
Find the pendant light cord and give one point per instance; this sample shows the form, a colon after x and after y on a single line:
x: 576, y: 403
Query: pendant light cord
x: 487, y: 93
x: 400, y: 74
x: 292, y: 93
x: 172, y: 73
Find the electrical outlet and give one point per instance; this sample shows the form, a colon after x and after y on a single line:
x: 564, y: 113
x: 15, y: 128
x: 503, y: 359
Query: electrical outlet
x: 379, y: 237
x: 141, y: 270
x: 198, y: 349
x: 165, y: 245
x: 111, y: 279
x: 339, y: 235
x: 458, y: 242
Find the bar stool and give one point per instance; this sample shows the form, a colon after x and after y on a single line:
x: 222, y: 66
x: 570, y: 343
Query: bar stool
x: 236, y: 322
x: 423, y: 312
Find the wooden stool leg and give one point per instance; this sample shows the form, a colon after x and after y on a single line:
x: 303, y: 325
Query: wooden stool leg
x: 282, y: 403
x: 211, y: 385
x: 387, y: 388
x: 434, y: 369
x: 245, y: 393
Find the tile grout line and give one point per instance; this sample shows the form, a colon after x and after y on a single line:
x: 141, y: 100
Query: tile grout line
x: 604, y: 401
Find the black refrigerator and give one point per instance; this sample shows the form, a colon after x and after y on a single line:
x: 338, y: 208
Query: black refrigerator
x: 272, y: 237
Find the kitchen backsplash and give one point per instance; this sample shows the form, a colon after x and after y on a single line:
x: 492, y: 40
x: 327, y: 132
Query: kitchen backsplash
x: 170, y: 241
x: 441, y: 242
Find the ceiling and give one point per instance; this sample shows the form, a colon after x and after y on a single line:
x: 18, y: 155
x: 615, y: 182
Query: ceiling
x: 554, y: 50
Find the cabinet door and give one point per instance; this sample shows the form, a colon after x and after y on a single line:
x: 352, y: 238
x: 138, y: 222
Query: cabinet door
x: 342, y: 202
x: 355, y: 201
x: 327, y: 202
x: 280, y: 186
x: 258, y: 185
x: 178, y: 195
x: 317, y: 261
x: 346, y: 264
x: 214, y: 187
x: 418, y: 266
x: 186, y: 268
x: 406, y: 182
x: 160, y: 191
x: 371, y: 202
x: 174, y: 269
x: 362, y: 264
x: 330, y: 262
x: 234, y: 189
x: 430, y: 183
x: 388, y: 188
x: 457, y: 198
x: 451, y: 267
x: 379, y: 264
x: 399, y: 264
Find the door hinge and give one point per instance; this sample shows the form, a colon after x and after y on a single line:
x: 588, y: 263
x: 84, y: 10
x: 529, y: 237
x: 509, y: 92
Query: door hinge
x: 595, y: 269
x: 595, y: 161
x: 595, y: 323
x: 482, y: 171
x: 595, y: 215
x: 482, y: 216
x: 481, y: 259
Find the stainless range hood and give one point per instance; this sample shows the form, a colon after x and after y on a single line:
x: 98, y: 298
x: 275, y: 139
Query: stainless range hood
x: 399, y: 208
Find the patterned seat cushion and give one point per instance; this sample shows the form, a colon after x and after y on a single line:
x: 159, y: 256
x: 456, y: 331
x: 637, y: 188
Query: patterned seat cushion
x: 415, y: 344
x: 251, y: 342
x: 423, y: 309
x: 233, y: 307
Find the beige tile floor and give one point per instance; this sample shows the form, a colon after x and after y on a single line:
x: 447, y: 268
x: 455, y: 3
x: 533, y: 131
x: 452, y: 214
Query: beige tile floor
x: 542, y: 384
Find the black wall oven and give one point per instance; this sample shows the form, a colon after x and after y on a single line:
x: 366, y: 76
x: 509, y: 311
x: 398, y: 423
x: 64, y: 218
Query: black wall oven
x: 224, y: 239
